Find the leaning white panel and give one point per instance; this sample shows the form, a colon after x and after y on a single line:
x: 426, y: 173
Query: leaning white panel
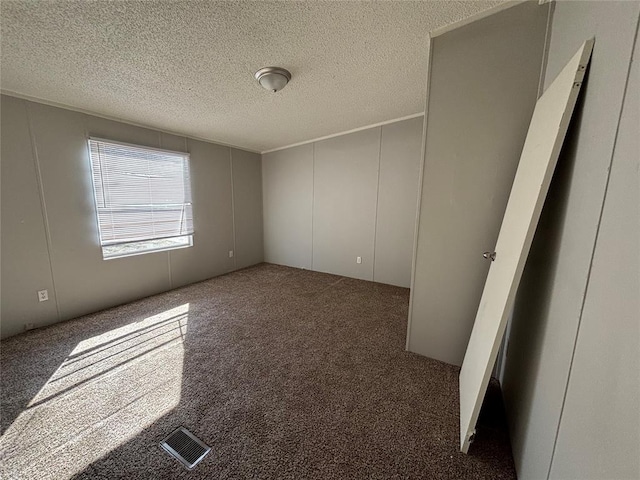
x: 538, y: 160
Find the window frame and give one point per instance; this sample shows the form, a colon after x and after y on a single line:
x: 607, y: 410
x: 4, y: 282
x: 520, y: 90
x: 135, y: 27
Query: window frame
x: 185, y: 155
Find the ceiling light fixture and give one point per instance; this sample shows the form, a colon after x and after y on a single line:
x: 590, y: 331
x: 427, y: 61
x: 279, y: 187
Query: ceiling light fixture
x: 273, y: 78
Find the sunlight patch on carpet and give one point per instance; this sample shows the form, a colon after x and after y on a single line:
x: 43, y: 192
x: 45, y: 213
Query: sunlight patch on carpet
x: 109, y: 388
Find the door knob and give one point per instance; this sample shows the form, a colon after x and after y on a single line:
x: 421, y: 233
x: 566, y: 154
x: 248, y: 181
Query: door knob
x: 490, y: 255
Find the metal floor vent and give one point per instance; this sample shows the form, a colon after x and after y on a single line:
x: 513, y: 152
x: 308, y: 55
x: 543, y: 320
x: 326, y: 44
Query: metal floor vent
x: 186, y: 447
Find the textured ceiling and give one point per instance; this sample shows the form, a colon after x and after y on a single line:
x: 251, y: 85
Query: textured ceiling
x: 188, y: 66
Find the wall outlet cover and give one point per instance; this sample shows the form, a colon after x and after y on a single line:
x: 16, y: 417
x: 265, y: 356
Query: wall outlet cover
x: 43, y: 295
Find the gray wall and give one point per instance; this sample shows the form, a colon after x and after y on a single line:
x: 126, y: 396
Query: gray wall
x: 400, y: 153
x: 604, y: 385
x: 49, y: 231
x: 247, y: 207
x: 483, y: 85
x: 580, y: 285
x: 354, y: 195
x: 287, y: 178
x: 345, y: 187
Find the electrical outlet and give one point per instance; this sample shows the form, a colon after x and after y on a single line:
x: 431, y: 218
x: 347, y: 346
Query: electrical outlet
x: 230, y: 253
x: 43, y: 295
x: 358, y: 259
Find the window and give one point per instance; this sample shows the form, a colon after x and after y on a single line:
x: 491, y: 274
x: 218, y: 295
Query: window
x: 143, y: 198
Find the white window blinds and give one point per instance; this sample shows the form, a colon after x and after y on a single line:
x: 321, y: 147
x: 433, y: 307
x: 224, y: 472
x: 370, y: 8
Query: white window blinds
x: 141, y: 194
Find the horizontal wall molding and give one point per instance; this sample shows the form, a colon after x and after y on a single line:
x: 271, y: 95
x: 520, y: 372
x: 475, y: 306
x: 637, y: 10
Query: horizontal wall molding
x: 29, y: 98
x: 333, y: 135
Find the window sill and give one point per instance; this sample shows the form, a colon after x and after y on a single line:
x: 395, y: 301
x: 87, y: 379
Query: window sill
x: 128, y: 250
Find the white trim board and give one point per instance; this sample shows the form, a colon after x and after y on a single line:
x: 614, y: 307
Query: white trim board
x: 416, y: 228
x: 540, y: 153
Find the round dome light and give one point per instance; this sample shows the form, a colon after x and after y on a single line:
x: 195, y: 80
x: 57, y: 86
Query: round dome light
x: 273, y: 78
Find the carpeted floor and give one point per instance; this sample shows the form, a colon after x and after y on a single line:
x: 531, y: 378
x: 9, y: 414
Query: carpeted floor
x: 285, y: 373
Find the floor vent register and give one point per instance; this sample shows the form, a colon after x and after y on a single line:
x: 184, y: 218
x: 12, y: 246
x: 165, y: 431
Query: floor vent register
x: 186, y: 447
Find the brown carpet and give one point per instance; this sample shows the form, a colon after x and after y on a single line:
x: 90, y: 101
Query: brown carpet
x: 285, y: 373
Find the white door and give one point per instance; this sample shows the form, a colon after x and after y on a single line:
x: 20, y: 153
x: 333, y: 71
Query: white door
x: 538, y: 160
